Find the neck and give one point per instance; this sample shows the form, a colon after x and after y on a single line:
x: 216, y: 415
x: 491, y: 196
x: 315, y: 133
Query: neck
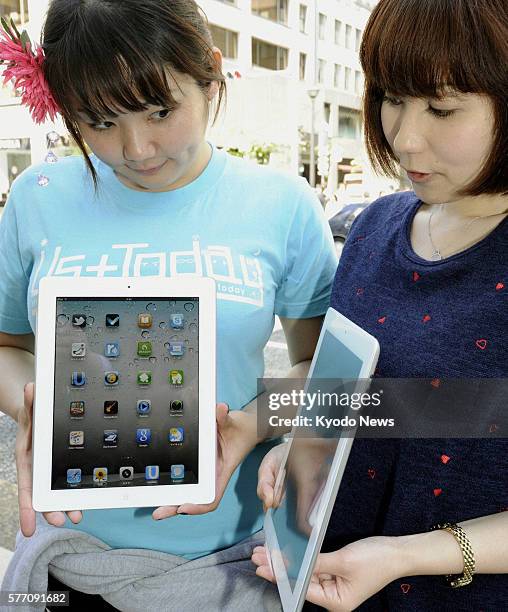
x: 473, y: 206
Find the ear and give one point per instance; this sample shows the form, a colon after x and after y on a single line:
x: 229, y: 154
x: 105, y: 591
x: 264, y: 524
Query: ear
x: 213, y: 88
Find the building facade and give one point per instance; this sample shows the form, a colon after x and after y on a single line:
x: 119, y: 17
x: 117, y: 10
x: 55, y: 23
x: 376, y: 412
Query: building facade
x: 284, y: 50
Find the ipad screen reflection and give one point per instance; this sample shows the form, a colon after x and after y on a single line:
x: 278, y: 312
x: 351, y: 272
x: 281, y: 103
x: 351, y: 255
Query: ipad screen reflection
x: 299, y: 497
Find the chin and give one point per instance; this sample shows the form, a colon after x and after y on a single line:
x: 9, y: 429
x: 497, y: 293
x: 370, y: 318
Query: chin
x: 431, y: 196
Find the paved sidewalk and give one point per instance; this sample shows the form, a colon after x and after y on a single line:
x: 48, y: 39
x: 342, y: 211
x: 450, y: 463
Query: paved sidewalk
x: 5, y: 557
x: 9, y: 522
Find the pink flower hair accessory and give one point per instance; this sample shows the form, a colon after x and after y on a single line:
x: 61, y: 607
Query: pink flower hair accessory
x: 24, y: 62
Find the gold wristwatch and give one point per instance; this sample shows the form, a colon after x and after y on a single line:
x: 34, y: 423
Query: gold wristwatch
x: 460, y: 580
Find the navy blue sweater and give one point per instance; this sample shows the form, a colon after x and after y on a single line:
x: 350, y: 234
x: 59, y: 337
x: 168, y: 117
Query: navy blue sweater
x: 432, y: 319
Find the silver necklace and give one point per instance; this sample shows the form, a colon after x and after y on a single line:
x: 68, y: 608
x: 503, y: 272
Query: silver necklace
x: 436, y: 253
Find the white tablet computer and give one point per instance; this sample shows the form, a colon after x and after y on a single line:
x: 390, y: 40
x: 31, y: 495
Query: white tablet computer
x: 124, y: 411
x: 312, y: 468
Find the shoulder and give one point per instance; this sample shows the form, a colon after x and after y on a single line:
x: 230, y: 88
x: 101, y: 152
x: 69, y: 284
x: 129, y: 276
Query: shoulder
x: 265, y: 180
x: 43, y: 177
x: 390, y: 210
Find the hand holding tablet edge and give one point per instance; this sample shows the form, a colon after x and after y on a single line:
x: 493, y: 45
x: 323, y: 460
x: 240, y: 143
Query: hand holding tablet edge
x: 236, y: 437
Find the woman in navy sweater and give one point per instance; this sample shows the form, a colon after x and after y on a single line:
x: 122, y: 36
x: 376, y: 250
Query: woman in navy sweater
x: 426, y: 272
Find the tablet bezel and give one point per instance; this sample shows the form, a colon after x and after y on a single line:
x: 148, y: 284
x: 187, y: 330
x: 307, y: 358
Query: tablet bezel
x: 366, y: 348
x: 50, y: 288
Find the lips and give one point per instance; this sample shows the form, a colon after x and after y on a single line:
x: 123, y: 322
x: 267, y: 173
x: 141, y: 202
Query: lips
x: 152, y: 170
x: 418, y: 177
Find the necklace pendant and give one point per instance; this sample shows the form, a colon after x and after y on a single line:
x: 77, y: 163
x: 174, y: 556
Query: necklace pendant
x: 436, y: 256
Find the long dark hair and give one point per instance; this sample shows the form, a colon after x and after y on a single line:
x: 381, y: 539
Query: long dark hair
x: 107, y: 56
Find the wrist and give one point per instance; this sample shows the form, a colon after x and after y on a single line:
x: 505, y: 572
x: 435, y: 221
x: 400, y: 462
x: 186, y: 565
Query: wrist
x: 247, y: 422
x: 429, y: 554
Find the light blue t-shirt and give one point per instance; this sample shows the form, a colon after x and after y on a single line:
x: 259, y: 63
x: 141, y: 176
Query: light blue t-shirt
x: 260, y: 234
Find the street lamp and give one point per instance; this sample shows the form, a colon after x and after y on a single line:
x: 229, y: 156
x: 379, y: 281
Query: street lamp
x: 312, y: 93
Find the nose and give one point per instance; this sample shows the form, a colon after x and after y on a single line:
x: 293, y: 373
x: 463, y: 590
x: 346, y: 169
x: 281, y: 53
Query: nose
x: 409, y: 132
x: 137, y: 144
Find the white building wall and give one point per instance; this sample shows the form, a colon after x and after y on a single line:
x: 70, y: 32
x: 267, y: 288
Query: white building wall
x: 263, y: 106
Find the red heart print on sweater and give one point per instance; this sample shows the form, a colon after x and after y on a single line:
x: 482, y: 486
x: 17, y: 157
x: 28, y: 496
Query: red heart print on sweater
x: 481, y: 344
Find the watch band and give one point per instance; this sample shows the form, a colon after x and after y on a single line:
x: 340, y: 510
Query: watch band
x: 460, y: 580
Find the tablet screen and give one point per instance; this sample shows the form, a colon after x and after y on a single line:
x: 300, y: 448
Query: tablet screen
x: 309, y: 462
x: 126, y: 392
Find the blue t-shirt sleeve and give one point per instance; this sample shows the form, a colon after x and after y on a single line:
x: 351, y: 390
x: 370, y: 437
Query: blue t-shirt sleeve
x: 311, y: 262
x: 14, y: 279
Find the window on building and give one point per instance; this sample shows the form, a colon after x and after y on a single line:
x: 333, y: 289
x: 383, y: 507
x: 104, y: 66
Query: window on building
x: 349, y: 123
x: 321, y: 71
x: 303, y: 18
x: 338, y: 31
x: 358, y: 40
x: 269, y: 56
x: 226, y: 40
x: 358, y: 82
x: 322, y: 26
x: 17, y: 10
x: 347, y: 78
x: 336, y: 75
x: 349, y: 37
x: 326, y: 111
x: 303, y: 63
x: 275, y: 10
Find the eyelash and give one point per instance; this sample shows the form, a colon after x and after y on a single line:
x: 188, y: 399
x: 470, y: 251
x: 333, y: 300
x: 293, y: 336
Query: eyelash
x: 439, y: 113
x: 95, y: 126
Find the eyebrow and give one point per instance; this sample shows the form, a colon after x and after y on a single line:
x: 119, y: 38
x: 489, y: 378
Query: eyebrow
x: 84, y: 113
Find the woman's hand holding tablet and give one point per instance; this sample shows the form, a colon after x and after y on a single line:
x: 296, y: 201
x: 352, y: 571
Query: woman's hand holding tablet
x: 236, y: 437
x: 343, y: 579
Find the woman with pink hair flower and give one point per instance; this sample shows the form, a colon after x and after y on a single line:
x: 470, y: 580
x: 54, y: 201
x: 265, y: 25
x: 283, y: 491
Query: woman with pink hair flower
x: 137, y: 84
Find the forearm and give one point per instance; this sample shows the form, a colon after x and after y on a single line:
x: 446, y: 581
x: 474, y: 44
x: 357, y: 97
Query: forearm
x: 17, y: 367
x: 437, y: 552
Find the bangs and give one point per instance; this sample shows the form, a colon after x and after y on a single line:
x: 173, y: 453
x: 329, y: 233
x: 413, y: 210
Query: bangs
x: 113, y: 88
x: 422, y: 48
x: 112, y: 79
